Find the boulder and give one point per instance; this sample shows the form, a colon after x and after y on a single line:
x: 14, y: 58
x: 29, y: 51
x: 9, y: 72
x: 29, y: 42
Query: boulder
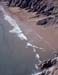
x: 42, y: 22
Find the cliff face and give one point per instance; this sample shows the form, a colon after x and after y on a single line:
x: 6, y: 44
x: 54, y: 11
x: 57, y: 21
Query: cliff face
x: 44, y: 7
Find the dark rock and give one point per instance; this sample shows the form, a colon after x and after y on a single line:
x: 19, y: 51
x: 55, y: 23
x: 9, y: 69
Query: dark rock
x: 10, y: 1
x: 48, y: 11
x: 42, y: 22
x: 54, y: 61
x: 44, y: 65
x: 49, y: 63
x: 42, y: 8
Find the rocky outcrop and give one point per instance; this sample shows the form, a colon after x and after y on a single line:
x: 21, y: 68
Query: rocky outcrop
x: 49, y: 67
x: 44, y: 7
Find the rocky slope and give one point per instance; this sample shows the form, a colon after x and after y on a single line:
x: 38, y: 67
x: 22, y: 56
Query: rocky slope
x: 48, y: 8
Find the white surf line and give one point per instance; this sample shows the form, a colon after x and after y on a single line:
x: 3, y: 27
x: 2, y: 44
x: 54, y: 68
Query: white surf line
x: 41, y: 48
x: 17, y: 30
x: 34, y: 46
x: 34, y: 50
x: 37, y: 56
x: 36, y: 66
x: 31, y: 45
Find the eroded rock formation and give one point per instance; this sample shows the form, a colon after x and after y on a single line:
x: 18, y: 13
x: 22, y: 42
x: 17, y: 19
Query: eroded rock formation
x: 45, y: 7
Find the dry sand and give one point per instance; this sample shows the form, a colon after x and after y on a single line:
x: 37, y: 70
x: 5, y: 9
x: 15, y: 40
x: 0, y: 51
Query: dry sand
x: 45, y: 37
